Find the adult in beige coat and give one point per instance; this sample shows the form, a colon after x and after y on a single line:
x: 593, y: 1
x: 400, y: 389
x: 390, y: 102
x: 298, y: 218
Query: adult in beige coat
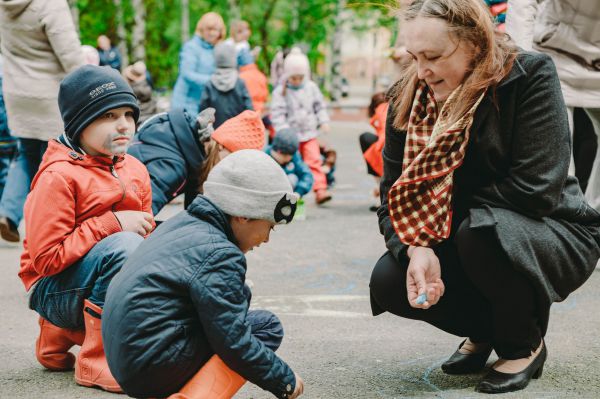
x: 40, y: 46
x: 568, y: 31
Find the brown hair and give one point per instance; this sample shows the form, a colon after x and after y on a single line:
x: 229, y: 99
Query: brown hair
x: 469, y: 21
x: 207, y: 19
x: 212, y: 158
x: 376, y: 100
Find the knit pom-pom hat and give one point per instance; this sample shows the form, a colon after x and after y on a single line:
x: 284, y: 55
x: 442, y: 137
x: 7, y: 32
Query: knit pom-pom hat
x: 245, y: 131
x: 296, y: 63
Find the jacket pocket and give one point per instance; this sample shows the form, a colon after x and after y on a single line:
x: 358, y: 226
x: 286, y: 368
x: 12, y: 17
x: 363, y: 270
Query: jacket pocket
x: 564, y: 38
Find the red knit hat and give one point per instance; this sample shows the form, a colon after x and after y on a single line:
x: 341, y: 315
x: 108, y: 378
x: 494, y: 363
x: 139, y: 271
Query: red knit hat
x: 243, y: 132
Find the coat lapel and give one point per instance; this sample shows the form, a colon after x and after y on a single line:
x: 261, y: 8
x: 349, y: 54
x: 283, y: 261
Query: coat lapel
x: 487, y: 103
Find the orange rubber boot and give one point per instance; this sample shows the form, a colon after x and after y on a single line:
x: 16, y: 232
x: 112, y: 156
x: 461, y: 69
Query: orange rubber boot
x: 92, y: 369
x: 214, y: 381
x: 53, y: 344
x: 322, y: 196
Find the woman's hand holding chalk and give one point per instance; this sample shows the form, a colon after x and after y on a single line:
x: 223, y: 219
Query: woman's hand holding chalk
x: 424, y: 286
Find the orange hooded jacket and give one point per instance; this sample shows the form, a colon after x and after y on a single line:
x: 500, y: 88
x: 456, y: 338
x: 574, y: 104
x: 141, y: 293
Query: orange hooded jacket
x: 256, y: 83
x: 71, y: 204
x: 373, y: 153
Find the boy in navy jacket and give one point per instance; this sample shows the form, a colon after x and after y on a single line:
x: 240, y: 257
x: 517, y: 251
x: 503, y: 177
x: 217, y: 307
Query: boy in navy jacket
x: 176, y: 317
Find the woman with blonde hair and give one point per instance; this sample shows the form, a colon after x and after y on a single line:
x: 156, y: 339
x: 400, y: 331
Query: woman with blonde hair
x: 483, y: 225
x: 197, y: 62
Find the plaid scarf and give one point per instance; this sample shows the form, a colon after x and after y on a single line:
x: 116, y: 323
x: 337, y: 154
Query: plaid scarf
x: 420, y: 201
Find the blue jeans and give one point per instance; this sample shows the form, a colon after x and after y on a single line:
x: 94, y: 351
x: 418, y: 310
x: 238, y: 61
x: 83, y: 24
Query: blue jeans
x: 266, y: 327
x: 59, y: 298
x: 5, y: 159
x: 20, y: 174
x: 152, y: 381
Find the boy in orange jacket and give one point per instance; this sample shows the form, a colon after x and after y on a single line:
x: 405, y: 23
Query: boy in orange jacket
x: 88, y: 209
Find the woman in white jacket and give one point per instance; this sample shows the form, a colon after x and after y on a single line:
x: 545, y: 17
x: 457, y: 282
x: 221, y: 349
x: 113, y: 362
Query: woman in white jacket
x: 568, y: 31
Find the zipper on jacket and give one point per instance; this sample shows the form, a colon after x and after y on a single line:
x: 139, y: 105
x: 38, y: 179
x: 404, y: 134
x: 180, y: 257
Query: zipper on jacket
x: 113, y: 172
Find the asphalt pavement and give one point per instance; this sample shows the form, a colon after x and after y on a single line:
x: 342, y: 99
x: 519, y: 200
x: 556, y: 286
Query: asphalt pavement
x: 314, y: 275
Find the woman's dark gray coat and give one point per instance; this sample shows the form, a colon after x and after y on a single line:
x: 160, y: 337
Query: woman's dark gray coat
x: 514, y: 179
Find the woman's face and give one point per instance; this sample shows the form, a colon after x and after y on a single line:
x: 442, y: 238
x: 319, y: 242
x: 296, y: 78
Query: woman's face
x: 211, y: 32
x: 442, y: 61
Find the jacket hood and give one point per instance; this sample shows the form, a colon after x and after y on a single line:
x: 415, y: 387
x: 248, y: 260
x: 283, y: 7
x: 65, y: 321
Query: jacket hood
x: 224, y: 79
x: 204, y: 209
x: 14, y: 7
x: 58, y: 152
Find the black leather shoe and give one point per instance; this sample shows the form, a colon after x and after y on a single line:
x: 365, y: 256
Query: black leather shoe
x: 497, y: 382
x: 462, y: 363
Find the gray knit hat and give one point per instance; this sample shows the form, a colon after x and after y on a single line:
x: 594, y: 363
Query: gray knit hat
x: 286, y: 141
x: 225, y: 55
x: 249, y: 183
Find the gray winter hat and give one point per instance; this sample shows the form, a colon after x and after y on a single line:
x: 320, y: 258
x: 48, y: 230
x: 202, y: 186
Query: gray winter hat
x: 249, y: 183
x: 286, y: 141
x: 225, y: 55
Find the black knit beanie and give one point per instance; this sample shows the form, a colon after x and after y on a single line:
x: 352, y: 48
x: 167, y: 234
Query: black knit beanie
x: 90, y: 91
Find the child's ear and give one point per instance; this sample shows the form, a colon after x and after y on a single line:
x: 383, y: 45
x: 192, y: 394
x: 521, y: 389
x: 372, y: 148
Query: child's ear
x: 241, y: 219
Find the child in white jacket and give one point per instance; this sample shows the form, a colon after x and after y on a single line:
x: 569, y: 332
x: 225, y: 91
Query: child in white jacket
x: 298, y: 103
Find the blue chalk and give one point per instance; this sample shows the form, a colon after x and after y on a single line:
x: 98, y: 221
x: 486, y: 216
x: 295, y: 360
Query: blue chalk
x: 421, y: 299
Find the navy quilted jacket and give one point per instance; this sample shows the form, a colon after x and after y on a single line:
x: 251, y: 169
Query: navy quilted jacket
x: 180, y: 298
x: 168, y: 145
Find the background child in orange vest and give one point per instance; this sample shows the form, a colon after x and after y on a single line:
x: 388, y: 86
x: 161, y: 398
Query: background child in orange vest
x: 255, y: 80
x: 88, y: 210
x: 298, y: 103
x: 372, y: 144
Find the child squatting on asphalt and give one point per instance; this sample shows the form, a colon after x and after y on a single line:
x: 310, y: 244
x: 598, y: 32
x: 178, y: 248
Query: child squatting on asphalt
x: 88, y: 209
x: 284, y: 150
x: 177, y: 320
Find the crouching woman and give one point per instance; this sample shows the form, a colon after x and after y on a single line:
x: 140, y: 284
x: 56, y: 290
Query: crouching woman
x: 484, y: 228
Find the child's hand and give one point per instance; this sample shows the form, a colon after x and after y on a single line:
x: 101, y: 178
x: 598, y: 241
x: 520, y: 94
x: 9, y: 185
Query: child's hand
x: 299, y: 387
x: 324, y: 128
x: 135, y: 221
x: 325, y: 169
